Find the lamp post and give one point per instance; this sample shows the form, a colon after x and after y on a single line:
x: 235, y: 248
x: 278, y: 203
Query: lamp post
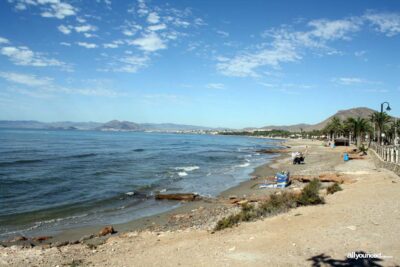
x: 381, y: 122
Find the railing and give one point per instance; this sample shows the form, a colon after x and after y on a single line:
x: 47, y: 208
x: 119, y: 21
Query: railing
x: 387, y: 153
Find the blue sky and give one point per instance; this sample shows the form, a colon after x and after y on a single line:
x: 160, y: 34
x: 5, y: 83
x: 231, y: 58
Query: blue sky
x: 213, y: 63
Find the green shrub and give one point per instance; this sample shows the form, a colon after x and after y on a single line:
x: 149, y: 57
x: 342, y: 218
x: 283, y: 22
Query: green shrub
x: 227, y: 222
x: 334, y: 188
x: 310, y: 194
x: 276, y: 204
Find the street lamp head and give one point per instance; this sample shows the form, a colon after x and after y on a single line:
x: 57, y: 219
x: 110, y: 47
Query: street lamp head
x: 388, y: 108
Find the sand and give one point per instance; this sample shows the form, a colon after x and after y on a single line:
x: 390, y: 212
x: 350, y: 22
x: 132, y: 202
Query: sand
x: 365, y: 216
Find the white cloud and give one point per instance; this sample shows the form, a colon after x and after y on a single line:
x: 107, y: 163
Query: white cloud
x: 65, y: 44
x: 4, y: 40
x: 110, y: 45
x: 25, y: 79
x: 157, y: 27
x: 23, y: 56
x: 64, y: 29
x: 85, y: 28
x: 388, y: 23
x: 215, y: 86
x: 87, y: 45
x: 50, y: 8
x: 153, y: 18
x: 334, y: 29
x: 150, y: 42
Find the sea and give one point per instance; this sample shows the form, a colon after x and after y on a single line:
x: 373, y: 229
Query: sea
x: 53, y: 180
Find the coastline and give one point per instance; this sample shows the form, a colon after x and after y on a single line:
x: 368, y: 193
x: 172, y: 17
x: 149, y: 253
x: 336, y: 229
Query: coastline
x: 360, y: 218
x: 212, y: 209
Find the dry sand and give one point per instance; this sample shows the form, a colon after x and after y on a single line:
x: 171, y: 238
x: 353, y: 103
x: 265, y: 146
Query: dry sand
x: 365, y: 216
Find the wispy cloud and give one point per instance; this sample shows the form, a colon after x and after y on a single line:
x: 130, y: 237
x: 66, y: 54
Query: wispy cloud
x: 387, y: 23
x: 215, y: 86
x: 23, y: 56
x: 126, y: 63
x: 285, y: 45
x: 26, y: 79
x: 353, y: 81
x: 36, y: 86
x: 222, y: 33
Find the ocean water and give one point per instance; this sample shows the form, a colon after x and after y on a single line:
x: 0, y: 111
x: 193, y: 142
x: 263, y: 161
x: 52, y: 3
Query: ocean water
x: 56, y: 180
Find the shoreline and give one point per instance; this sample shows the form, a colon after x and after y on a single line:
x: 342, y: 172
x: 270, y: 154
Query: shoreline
x: 215, y: 207
x: 361, y: 218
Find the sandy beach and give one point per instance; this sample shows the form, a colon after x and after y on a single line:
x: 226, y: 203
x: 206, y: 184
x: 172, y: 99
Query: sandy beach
x: 365, y: 217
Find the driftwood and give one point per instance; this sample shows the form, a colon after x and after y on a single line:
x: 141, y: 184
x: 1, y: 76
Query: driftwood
x: 178, y: 196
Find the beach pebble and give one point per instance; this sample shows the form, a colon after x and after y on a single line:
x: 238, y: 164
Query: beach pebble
x: 352, y: 227
x: 232, y: 249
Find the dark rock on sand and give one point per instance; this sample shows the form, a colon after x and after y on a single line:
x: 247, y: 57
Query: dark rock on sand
x: 41, y: 238
x: 107, y: 230
x: 178, y: 196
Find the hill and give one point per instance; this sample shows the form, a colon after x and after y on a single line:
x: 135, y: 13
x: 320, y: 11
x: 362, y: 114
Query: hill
x: 341, y: 114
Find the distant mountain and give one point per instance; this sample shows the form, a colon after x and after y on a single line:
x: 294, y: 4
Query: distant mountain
x: 114, y: 125
x: 70, y: 125
x: 341, y: 114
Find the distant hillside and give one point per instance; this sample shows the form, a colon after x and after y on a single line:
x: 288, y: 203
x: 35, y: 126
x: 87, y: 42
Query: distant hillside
x: 341, y: 114
x: 114, y: 125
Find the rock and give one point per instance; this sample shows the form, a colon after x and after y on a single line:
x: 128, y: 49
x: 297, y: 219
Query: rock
x: 107, y: 230
x: 233, y: 197
x: 41, y: 238
x: 178, y: 196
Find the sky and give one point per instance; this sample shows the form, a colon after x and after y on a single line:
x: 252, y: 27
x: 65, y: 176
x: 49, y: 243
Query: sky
x: 212, y: 63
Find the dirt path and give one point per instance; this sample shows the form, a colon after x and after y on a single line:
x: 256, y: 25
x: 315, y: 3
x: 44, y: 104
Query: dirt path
x: 365, y: 216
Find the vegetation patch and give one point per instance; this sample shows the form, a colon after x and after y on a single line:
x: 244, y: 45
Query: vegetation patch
x: 275, y: 205
x: 333, y: 188
x: 310, y: 194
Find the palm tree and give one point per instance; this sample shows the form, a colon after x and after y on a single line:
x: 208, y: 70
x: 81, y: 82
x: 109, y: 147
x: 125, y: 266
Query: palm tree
x: 359, y: 127
x: 380, y: 119
x: 334, y: 128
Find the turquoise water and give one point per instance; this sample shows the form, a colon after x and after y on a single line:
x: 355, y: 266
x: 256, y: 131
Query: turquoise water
x: 55, y: 180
